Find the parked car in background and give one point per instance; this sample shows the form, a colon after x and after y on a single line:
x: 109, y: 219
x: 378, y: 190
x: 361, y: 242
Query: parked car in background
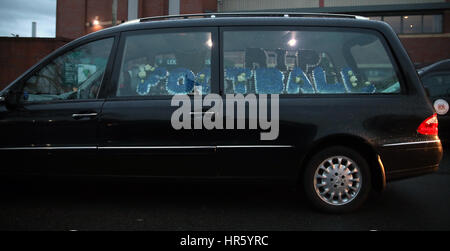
x: 436, y: 79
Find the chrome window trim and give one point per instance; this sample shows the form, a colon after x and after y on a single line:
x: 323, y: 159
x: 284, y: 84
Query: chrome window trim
x: 153, y: 147
x: 412, y: 143
x: 193, y: 147
x: 51, y: 148
x: 142, y: 147
x: 255, y: 146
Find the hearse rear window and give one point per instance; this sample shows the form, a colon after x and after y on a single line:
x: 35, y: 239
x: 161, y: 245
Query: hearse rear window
x: 307, y: 62
x: 160, y: 64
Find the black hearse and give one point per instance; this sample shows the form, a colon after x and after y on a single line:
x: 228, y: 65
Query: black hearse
x: 352, y: 111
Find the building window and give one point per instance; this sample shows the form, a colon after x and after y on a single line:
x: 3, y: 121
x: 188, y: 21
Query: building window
x: 413, y: 24
x: 432, y: 23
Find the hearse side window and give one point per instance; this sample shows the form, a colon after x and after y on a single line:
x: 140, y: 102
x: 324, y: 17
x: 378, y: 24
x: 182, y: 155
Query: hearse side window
x: 306, y: 62
x: 76, y: 74
x: 160, y: 64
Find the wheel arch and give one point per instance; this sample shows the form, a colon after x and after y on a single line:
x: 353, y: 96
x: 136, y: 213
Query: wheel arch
x: 356, y: 143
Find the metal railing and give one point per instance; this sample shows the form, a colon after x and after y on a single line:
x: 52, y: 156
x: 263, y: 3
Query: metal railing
x: 245, y: 14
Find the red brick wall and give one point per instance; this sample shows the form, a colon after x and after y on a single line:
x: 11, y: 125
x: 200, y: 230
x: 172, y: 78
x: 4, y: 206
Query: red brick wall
x: 72, y: 16
x: 209, y: 5
x: 446, y: 27
x: 19, y: 54
x: 103, y: 10
x: 149, y: 8
x: 197, y: 6
x: 427, y: 50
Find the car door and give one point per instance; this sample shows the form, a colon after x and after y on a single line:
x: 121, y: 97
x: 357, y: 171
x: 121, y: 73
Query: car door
x: 438, y: 85
x: 158, y: 72
x: 56, y: 121
x: 253, y: 144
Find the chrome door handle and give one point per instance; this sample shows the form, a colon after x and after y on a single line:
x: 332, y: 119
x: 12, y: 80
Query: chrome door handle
x: 84, y: 115
x: 201, y: 113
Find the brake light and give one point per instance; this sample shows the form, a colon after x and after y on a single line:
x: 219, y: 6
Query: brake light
x: 429, y: 126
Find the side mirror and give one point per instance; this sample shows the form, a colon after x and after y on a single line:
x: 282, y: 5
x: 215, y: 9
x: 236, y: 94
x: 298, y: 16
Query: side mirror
x: 10, y: 99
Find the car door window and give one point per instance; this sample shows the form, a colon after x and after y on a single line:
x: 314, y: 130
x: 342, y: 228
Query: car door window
x: 76, y: 74
x: 438, y: 84
x: 168, y: 63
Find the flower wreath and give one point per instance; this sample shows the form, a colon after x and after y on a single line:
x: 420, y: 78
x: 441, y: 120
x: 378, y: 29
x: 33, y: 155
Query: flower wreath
x: 268, y: 81
x: 239, y: 78
x: 298, y: 82
x: 149, y: 76
x: 180, y: 81
x: 203, y: 81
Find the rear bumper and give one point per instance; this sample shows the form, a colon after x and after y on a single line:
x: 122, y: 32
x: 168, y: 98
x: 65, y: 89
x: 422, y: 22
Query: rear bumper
x: 409, y: 159
x: 408, y: 173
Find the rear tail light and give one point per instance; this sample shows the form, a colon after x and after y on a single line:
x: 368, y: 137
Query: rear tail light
x: 429, y: 126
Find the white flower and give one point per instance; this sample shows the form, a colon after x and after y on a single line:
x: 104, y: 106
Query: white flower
x: 241, y: 77
x: 197, y: 90
x: 367, y: 83
x: 350, y: 73
x: 142, y: 74
x: 149, y: 68
x: 353, y: 80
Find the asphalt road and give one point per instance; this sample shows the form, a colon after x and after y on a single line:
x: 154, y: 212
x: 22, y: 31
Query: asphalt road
x: 421, y: 203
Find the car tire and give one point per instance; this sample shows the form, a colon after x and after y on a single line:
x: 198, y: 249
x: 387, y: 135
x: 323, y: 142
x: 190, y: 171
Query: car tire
x: 337, y: 180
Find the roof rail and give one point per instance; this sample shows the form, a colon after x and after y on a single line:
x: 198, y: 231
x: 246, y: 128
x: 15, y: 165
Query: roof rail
x: 246, y: 14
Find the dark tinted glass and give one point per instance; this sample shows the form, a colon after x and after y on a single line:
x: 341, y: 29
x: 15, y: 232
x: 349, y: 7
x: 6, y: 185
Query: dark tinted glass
x: 437, y: 84
x: 308, y: 62
x: 166, y: 64
x: 75, y: 75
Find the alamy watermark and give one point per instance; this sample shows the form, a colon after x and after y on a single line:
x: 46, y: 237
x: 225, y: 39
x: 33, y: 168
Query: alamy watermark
x: 213, y: 118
